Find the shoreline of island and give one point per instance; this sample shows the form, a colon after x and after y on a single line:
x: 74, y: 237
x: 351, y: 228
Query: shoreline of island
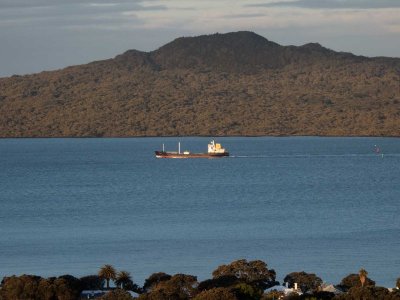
x: 239, y: 280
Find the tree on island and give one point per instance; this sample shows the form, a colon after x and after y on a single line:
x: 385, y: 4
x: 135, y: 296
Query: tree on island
x: 247, y: 292
x: 255, y: 273
x: 32, y: 287
x: 178, y: 287
x: 46, y: 289
x: 353, y: 280
x: 155, y: 279
x: 398, y: 283
x: 19, y: 287
x: 306, y: 281
x: 363, y: 276
x: 123, y: 279
x: 92, y: 282
x: 219, y: 282
x: 368, y: 292
x: 117, y: 294
x: 216, y: 294
x: 108, y: 273
x: 67, y: 287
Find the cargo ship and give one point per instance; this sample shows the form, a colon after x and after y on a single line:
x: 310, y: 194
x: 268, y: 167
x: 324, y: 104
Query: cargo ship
x: 215, y: 150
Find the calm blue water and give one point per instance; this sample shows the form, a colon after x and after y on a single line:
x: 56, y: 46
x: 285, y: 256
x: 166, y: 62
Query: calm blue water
x: 323, y: 205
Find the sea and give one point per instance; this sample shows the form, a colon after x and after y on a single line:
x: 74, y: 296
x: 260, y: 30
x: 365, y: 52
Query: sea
x: 323, y: 205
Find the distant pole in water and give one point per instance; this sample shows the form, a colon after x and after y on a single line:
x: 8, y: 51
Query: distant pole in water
x: 163, y: 148
x: 179, y: 147
x: 377, y: 150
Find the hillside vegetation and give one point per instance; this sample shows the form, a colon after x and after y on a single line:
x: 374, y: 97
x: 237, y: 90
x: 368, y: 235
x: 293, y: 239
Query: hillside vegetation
x: 215, y: 85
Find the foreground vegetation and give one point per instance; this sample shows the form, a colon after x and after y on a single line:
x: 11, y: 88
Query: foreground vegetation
x: 223, y: 84
x: 239, y: 280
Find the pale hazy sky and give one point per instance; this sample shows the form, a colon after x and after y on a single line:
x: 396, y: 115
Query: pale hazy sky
x: 38, y: 35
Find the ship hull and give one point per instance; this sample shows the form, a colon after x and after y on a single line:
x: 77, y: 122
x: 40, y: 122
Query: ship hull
x: 161, y: 154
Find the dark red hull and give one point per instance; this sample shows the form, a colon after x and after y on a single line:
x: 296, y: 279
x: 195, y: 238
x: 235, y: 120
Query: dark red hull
x: 161, y: 154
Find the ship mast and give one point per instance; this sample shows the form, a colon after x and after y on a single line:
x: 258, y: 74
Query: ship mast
x: 179, y: 147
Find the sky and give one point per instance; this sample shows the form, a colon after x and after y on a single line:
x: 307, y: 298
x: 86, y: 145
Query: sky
x: 38, y: 35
